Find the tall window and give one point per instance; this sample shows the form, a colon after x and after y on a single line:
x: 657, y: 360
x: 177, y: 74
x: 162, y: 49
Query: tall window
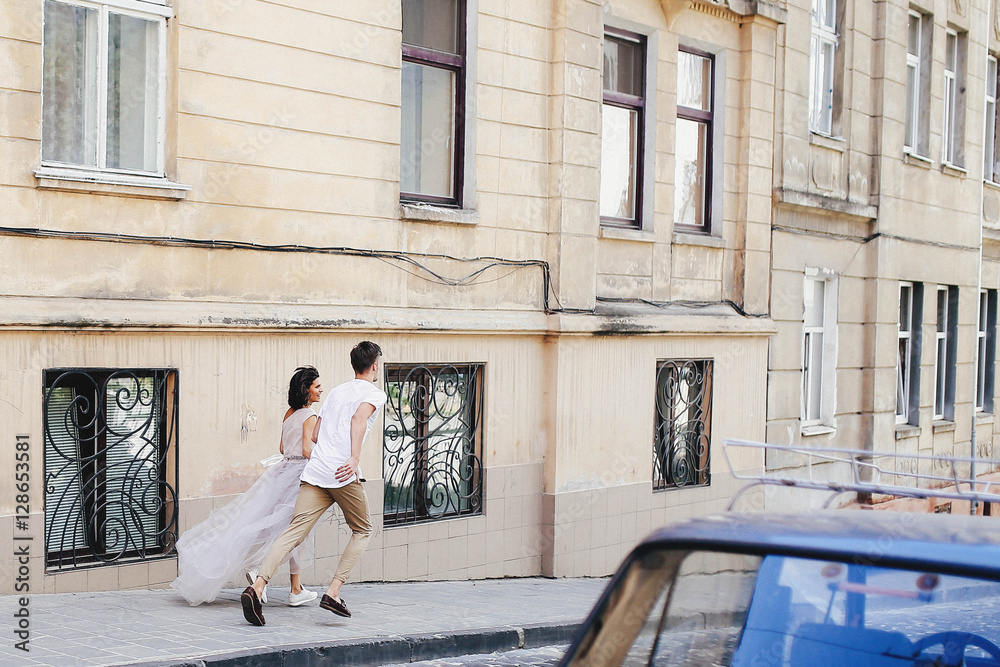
x: 103, y: 84
x: 110, y: 469
x: 917, y: 82
x: 432, y: 460
x: 991, y: 170
x: 908, y: 353
x: 693, y: 148
x: 623, y: 123
x: 813, y: 330
x: 954, y: 95
x: 945, y: 352
x: 823, y: 56
x: 432, y: 138
x: 683, y: 436
x: 986, y: 350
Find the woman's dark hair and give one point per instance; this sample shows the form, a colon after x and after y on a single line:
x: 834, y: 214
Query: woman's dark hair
x: 364, y: 355
x: 298, y: 386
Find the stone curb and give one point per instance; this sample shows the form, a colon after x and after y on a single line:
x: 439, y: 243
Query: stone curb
x: 402, y: 649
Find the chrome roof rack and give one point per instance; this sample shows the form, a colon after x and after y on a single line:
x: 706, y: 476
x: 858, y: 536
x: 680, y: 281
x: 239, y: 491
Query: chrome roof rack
x: 878, y: 473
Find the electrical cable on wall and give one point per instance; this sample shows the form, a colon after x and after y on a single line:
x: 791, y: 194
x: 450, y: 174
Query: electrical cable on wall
x: 411, y: 259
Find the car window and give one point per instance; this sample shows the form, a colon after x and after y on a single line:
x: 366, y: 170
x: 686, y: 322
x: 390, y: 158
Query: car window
x: 816, y: 613
x: 672, y: 608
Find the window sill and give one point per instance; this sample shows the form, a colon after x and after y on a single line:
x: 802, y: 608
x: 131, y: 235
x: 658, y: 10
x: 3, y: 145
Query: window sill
x: 991, y: 185
x: 917, y: 160
x: 816, y: 429
x: 827, y: 141
x: 105, y: 183
x: 954, y: 170
x: 943, y: 426
x: 430, y: 213
x: 985, y: 417
x: 623, y: 234
x: 681, y: 238
x: 906, y: 431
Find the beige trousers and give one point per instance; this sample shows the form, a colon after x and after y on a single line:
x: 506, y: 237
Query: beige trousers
x: 309, y: 507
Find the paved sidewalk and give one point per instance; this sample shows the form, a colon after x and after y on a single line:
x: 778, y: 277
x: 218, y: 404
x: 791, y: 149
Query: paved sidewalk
x: 392, y: 623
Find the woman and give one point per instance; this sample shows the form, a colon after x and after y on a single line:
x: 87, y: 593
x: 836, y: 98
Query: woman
x: 235, y: 538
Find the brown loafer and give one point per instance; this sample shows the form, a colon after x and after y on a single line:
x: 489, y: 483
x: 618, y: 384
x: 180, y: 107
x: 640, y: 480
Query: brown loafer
x: 251, y: 607
x: 336, y: 606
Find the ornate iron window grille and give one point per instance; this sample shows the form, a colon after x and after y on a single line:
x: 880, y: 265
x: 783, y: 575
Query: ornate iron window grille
x: 110, y: 470
x: 432, y: 443
x: 682, y: 441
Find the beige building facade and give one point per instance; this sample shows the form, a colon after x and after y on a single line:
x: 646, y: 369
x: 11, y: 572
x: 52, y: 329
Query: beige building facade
x: 884, y: 283
x: 554, y: 217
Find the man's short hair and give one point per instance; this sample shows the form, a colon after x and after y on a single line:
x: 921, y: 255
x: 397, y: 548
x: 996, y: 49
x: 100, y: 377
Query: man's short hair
x: 364, y: 355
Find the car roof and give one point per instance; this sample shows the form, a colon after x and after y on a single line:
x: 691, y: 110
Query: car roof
x: 941, y: 542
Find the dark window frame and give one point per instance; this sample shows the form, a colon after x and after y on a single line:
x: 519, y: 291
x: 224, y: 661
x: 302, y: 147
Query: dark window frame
x: 695, y: 467
x: 912, y: 379
x: 458, y: 64
x: 946, y: 372
x: 986, y: 354
x: 637, y: 104
x: 708, y: 119
x: 400, y: 507
x: 94, y: 439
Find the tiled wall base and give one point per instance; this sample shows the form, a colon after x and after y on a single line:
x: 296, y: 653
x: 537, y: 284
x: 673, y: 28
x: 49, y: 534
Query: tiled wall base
x: 589, y: 532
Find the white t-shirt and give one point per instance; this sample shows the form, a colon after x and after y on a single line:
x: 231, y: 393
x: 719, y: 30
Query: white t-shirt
x: 333, y: 447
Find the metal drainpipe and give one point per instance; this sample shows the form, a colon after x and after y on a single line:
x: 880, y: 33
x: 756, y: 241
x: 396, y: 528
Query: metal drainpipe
x: 974, y: 505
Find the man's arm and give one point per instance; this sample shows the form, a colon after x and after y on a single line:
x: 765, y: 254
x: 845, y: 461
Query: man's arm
x: 359, y: 424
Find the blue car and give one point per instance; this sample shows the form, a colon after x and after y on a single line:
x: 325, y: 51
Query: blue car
x: 829, y: 589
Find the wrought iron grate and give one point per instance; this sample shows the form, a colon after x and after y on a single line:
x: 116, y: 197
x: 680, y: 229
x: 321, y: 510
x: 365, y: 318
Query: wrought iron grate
x: 110, y: 468
x: 432, y: 444
x: 683, y: 436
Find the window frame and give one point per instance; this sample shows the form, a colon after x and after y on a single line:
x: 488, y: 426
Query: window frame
x: 915, y: 142
x: 427, y: 375
x: 149, y: 10
x: 991, y: 168
x: 91, y: 449
x: 709, y: 119
x: 953, y: 121
x: 825, y: 420
x: 908, y: 382
x: 638, y: 104
x: 823, y: 34
x: 698, y: 412
x: 986, y: 350
x: 459, y: 65
x: 945, y: 335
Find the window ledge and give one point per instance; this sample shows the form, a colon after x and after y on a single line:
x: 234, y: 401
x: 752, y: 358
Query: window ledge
x: 906, y: 431
x: 431, y: 213
x: 681, y: 238
x: 954, y: 170
x: 943, y: 426
x: 991, y: 185
x: 817, y: 429
x: 917, y: 160
x: 107, y: 183
x: 827, y: 141
x: 985, y: 417
x: 623, y: 234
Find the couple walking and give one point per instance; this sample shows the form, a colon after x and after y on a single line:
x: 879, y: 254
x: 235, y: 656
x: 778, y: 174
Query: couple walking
x: 321, y: 466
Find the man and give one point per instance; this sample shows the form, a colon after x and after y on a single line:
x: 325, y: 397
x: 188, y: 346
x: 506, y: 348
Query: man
x: 332, y: 475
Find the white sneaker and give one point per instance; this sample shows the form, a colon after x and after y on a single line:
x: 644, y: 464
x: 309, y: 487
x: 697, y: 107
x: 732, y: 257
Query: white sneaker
x: 252, y: 577
x: 295, y: 599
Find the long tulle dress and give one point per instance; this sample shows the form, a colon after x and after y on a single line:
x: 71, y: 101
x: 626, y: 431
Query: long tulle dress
x: 235, y: 539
